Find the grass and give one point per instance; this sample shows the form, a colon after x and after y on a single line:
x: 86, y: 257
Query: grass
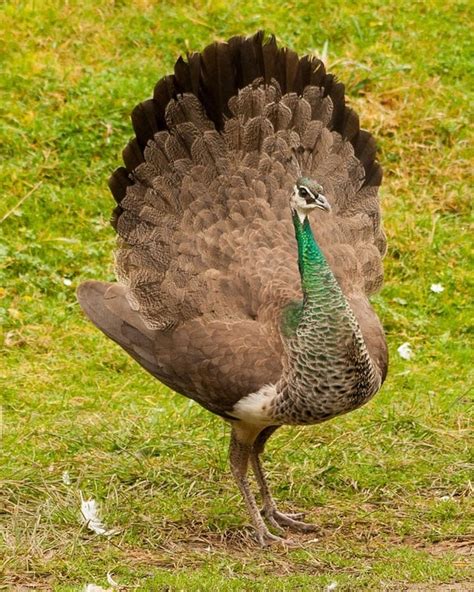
x: 388, y: 484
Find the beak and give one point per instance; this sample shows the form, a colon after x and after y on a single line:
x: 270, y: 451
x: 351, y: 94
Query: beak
x: 322, y: 202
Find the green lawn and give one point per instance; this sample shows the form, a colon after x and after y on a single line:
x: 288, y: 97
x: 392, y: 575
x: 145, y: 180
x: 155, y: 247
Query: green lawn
x: 388, y: 484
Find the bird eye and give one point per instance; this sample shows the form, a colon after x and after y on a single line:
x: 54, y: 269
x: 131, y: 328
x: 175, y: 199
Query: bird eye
x: 302, y: 192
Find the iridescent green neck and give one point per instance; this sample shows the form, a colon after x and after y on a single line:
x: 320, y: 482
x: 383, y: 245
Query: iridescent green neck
x: 328, y: 370
x: 317, y: 280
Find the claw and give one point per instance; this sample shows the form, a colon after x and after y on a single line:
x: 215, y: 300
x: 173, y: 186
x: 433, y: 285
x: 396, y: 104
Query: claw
x: 266, y: 538
x: 289, y: 520
x: 274, y: 524
x: 295, y: 516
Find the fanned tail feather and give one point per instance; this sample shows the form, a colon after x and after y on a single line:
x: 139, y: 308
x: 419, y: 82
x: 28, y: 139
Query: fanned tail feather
x: 202, y: 202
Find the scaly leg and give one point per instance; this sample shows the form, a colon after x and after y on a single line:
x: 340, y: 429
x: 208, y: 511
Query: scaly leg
x: 241, y: 442
x: 275, y: 518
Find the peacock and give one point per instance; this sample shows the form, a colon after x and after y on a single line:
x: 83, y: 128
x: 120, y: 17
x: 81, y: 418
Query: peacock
x: 226, y: 293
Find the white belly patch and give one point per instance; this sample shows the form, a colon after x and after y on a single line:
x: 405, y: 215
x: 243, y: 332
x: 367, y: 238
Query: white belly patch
x: 255, y: 407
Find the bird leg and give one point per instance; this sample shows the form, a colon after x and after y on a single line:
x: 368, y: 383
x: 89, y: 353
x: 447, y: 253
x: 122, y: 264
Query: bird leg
x: 275, y: 518
x: 241, y: 442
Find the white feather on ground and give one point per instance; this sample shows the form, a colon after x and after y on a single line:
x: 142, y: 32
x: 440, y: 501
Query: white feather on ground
x: 405, y: 351
x: 90, y: 515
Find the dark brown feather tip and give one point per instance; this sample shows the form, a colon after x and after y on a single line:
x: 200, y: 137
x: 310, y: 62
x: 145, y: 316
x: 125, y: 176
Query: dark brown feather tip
x: 217, y: 73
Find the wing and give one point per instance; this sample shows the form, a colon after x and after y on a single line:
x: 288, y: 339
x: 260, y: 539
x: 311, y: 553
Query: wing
x: 216, y: 363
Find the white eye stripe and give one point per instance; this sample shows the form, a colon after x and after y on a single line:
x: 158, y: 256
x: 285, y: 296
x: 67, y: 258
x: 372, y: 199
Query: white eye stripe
x: 308, y: 191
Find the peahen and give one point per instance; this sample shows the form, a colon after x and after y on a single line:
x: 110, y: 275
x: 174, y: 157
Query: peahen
x: 225, y: 293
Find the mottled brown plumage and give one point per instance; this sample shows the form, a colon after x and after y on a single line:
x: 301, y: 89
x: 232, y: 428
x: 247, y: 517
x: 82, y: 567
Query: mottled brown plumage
x: 207, y: 257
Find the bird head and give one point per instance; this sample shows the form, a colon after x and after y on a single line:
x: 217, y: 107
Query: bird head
x: 307, y: 196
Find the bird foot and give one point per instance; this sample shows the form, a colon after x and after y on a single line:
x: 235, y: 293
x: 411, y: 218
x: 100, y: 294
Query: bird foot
x: 266, y: 538
x: 278, y: 520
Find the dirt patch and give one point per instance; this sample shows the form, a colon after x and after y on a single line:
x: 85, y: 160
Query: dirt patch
x: 461, y: 587
x: 463, y: 546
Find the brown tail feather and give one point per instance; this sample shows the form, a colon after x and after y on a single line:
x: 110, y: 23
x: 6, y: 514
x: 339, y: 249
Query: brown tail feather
x: 217, y: 73
x: 203, y: 200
